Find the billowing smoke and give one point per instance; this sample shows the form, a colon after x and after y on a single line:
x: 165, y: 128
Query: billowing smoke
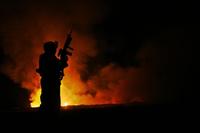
x: 25, y: 28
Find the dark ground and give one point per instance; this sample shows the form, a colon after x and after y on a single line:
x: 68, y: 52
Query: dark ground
x: 127, y: 118
x: 106, y: 112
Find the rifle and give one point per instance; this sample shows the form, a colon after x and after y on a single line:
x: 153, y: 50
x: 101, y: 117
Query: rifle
x: 64, y: 52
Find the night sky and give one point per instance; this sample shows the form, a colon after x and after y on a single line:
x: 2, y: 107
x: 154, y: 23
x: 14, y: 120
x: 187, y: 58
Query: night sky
x: 148, y: 46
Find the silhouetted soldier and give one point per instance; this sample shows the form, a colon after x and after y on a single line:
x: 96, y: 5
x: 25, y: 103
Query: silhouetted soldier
x: 50, y: 68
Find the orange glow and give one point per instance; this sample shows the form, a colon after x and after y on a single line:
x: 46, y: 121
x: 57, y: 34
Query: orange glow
x: 93, y: 91
x: 65, y: 104
x: 76, y: 92
x: 110, y: 85
x: 25, y: 37
x: 73, y: 89
x: 36, y: 99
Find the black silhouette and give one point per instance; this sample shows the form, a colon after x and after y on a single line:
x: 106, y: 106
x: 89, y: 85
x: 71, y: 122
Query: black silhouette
x: 51, y: 70
x: 63, y: 53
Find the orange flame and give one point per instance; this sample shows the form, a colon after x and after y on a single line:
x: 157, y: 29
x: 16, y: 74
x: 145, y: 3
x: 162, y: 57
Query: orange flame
x: 24, y: 39
x: 111, y: 84
x: 72, y: 88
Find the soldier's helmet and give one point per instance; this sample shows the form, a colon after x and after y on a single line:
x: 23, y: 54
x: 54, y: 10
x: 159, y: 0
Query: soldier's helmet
x: 50, y: 46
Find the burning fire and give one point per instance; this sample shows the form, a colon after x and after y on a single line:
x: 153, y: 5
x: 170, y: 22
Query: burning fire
x: 110, y: 85
x: 24, y: 40
x: 36, y: 100
x: 67, y: 95
x: 102, y: 88
x: 73, y: 90
x: 65, y: 100
x: 65, y: 104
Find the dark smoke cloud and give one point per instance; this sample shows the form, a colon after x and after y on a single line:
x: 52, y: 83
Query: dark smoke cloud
x: 26, y: 25
x: 12, y: 97
x: 160, y: 78
x: 122, y: 54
